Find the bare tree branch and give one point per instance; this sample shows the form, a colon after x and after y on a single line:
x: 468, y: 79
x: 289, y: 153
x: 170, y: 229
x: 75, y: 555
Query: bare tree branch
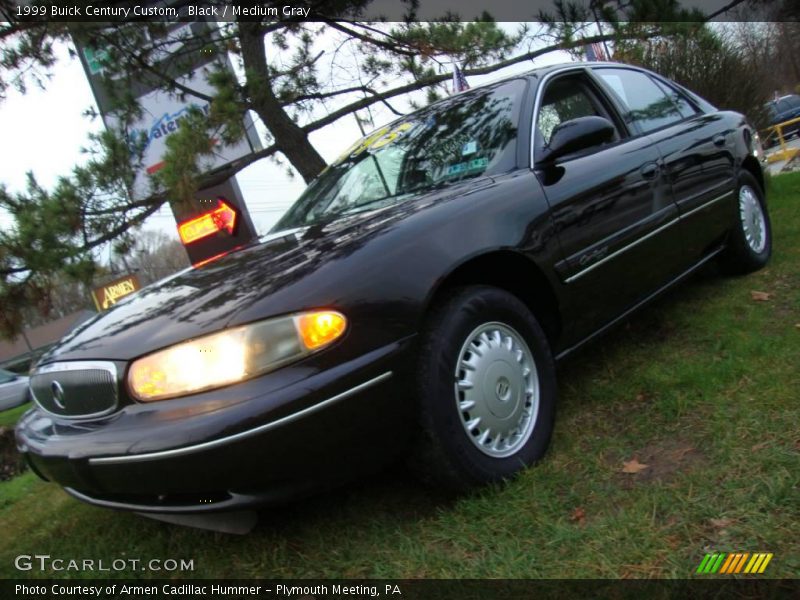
x: 392, y: 47
x: 433, y: 80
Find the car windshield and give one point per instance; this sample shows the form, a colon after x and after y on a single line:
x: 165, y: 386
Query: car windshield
x: 465, y: 136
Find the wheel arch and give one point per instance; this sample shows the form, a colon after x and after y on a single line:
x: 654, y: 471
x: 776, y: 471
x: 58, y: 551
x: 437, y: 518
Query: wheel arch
x: 750, y: 165
x: 497, y: 268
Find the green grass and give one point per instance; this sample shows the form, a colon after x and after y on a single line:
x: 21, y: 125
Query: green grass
x: 702, y: 387
x: 9, y: 418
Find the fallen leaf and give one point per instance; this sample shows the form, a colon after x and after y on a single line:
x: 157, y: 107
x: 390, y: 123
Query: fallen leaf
x: 578, y: 516
x: 720, y: 523
x: 641, y: 397
x: 760, y: 296
x: 633, y: 466
x: 797, y: 325
x: 759, y: 446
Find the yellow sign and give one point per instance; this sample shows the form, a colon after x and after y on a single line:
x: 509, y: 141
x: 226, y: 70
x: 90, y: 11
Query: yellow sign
x: 106, y: 296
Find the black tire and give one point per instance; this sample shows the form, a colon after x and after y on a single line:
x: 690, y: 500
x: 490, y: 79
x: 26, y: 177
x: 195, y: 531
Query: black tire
x: 741, y: 256
x: 444, y: 454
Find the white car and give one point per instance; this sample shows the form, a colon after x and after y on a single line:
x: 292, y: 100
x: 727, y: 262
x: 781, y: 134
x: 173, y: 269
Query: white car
x: 13, y: 389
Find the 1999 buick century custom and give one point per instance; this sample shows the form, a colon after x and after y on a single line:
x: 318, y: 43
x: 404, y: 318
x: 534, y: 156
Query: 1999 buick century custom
x: 412, y: 301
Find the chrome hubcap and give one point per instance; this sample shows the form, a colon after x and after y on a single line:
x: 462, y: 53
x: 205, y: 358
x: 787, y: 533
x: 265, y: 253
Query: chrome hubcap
x: 497, y: 389
x: 751, y: 214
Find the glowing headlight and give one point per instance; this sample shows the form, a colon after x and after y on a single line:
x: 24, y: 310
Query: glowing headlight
x: 232, y: 355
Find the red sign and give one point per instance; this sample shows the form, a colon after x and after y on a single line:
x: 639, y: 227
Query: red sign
x: 221, y: 218
x: 221, y: 225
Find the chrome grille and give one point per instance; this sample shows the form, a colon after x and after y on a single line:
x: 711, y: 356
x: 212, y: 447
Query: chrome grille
x: 76, y: 389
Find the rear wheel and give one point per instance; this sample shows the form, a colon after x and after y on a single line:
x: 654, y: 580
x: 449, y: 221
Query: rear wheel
x: 750, y: 243
x: 486, y: 386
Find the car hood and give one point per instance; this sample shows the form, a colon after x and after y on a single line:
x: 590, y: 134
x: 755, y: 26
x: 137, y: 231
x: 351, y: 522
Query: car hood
x: 277, y: 275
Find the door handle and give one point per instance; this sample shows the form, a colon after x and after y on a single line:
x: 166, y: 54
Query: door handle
x: 649, y: 170
x: 719, y: 140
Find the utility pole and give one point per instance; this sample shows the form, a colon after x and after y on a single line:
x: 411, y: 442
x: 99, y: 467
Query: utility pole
x: 27, y: 341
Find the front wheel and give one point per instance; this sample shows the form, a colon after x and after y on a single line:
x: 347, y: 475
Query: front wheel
x: 486, y: 389
x: 750, y: 242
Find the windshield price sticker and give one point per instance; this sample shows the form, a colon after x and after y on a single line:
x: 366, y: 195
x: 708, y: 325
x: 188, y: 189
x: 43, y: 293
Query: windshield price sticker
x: 468, y: 166
x: 382, y: 137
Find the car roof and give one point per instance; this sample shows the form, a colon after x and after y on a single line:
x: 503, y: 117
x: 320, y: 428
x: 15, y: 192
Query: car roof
x: 541, y: 72
x: 547, y: 69
x: 786, y: 97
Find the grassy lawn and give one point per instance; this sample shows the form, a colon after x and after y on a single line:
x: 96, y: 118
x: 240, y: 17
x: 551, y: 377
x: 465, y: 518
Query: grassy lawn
x: 9, y: 418
x: 702, y: 387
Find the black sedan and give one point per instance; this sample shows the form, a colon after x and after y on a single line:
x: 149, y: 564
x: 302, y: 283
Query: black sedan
x: 413, y: 301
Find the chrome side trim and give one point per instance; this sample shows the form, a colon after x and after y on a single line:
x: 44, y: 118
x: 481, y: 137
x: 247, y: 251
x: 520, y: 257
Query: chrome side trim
x: 638, y: 305
x: 645, y: 237
x: 714, y: 189
x: 707, y: 204
x: 109, y: 460
x: 76, y: 365
x: 143, y: 508
x: 619, y: 251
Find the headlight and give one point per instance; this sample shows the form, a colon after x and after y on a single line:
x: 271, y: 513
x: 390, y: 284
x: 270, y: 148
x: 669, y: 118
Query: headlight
x: 232, y: 355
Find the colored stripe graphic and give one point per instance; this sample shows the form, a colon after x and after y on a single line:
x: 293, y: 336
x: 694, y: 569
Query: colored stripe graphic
x: 757, y: 557
x: 740, y: 564
x: 735, y: 562
x: 711, y: 563
x: 767, y: 558
x: 717, y: 563
x: 737, y: 558
x: 728, y: 563
x: 703, y: 563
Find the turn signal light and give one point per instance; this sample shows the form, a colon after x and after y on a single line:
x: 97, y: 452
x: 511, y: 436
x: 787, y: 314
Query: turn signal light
x: 320, y: 328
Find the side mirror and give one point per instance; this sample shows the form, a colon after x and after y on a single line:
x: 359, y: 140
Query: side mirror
x: 576, y: 134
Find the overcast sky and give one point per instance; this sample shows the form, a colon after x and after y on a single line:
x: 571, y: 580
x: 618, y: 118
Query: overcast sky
x: 44, y: 130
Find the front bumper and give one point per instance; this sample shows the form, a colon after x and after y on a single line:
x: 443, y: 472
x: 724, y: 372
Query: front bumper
x: 259, y: 442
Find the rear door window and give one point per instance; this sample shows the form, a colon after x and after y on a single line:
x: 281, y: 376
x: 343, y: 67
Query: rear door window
x: 680, y: 101
x: 646, y: 105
